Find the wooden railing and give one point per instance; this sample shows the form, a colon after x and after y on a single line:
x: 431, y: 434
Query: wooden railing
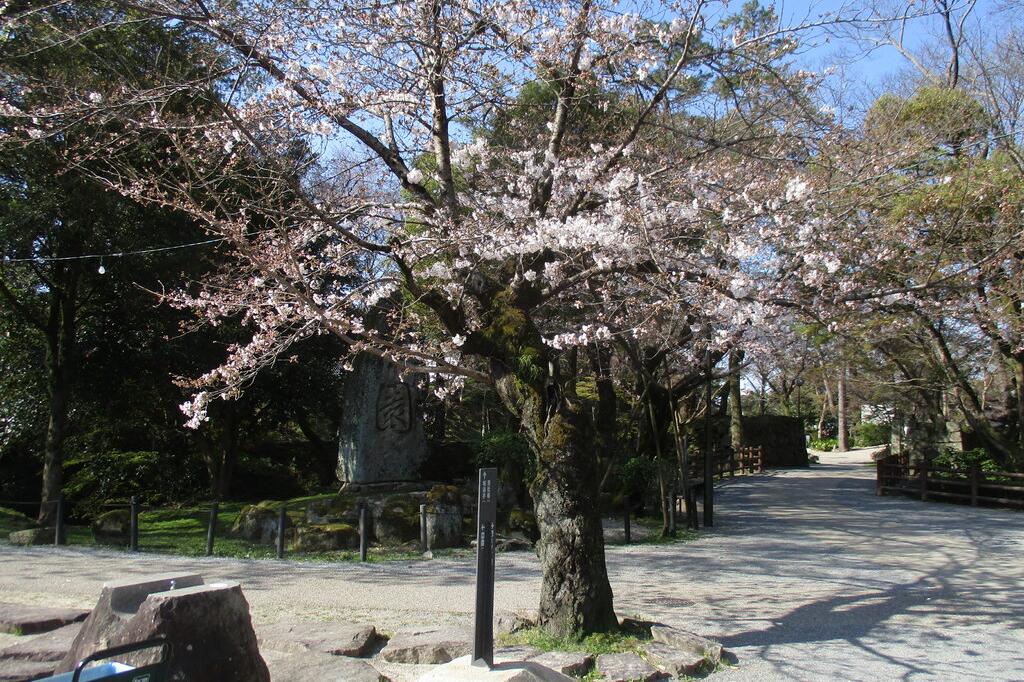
x: 974, y: 486
x: 727, y: 463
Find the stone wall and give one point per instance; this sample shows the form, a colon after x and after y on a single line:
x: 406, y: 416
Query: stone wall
x: 781, y: 440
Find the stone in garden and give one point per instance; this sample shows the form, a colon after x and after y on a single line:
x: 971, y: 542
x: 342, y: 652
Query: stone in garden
x: 512, y: 544
x: 335, y: 509
x: 444, y: 517
x: 20, y: 619
x: 507, y: 622
x: 381, y: 436
x: 325, y: 538
x: 627, y: 667
x: 687, y: 642
x: 339, y: 639
x: 462, y: 670
x: 258, y: 523
x: 118, y: 601
x: 112, y: 527
x: 32, y: 536
x: 674, y: 661
x: 430, y: 646
x: 396, y: 519
x: 21, y: 671
x: 574, y: 663
x: 320, y: 667
x: 47, y: 647
x: 524, y: 522
x: 521, y: 652
x: 207, y: 626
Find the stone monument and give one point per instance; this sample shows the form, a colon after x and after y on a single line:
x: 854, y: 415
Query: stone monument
x: 380, y: 438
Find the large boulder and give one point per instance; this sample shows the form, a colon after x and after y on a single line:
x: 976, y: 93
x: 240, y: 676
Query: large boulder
x: 325, y: 538
x: 112, y: 527
x: 258, y: 523
x: 207, y: 626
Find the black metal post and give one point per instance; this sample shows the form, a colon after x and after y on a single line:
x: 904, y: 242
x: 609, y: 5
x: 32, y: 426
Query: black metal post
x: 423, y: 529
x: 671, y: 510
x: 625, y: 520
x: 58, y: 530
x: 133, y: 527
x: 211, y: 528
x: 363, y: 530
x: 483, y: 629
x: 709, y: 460
x: 282, y: 516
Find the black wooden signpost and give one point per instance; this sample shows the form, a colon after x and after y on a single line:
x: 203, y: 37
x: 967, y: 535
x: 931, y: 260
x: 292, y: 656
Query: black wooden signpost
x: 483, y: 630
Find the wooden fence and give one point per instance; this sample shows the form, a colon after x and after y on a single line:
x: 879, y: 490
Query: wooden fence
x: 895, y: 473
x: 727, y: 463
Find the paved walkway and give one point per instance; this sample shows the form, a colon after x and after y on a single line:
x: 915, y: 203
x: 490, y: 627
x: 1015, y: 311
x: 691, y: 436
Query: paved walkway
x: 807, y: 576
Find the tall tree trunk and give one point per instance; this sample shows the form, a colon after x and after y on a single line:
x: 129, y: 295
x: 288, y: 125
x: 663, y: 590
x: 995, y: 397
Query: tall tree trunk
x: 842, y: 437
x: 576, y: 596
x: 60, y: 359
x: 826, y: 408
x: 735, y: 401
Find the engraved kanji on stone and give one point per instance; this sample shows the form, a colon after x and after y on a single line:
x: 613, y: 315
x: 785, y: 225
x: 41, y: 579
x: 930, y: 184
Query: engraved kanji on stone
x: 394, y: 408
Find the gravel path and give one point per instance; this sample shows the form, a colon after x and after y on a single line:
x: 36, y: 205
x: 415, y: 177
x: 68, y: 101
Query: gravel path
x: 807, y: 575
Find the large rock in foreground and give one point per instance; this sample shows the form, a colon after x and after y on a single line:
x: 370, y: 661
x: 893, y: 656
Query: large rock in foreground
x: 208, y: 628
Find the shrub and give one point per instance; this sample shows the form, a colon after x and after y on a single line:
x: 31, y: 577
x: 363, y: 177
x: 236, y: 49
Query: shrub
x: 869, y: 433
x: 823, y: 443
x: 97, y: 479
x: 961, y: 462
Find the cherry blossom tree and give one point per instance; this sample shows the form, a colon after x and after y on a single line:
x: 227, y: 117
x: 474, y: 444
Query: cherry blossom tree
x: 426, y: 218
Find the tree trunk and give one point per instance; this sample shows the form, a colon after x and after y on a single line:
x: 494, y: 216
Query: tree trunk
x: 576, y: 597
x: 842, y: 437
x: 60, y: 359
x: 735, y: 401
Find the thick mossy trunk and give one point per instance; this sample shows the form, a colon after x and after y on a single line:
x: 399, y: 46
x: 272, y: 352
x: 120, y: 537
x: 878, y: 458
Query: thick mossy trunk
x: 576, y: 597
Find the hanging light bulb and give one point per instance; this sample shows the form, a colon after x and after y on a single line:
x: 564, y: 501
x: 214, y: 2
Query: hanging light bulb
x: 102, y: 270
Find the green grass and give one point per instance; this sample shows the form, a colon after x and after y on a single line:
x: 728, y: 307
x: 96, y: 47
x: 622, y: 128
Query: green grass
x: 182, y: 531
x: 654, y: 524
x: 11, y: 521
x: 596, y: 644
